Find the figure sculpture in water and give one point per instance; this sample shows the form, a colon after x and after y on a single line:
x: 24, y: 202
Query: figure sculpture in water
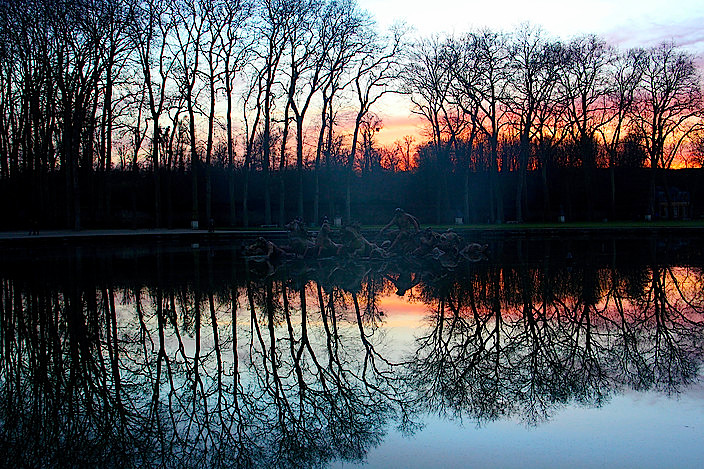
x: 407, y: 242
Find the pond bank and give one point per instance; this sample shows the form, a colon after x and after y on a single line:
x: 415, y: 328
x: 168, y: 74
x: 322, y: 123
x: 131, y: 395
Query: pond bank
x: 53, y: 237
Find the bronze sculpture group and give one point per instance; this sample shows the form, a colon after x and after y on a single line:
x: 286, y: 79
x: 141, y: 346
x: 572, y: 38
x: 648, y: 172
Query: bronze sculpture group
x: 401, y: 237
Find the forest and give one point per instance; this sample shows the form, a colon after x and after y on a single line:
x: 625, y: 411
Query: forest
x: 178, y: 113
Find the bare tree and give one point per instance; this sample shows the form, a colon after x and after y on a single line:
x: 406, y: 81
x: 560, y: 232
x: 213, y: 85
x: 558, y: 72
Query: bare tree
x: 214, y: 24
x: 78, y: 66
x: 311, y: 67
x: 302, y: 72
x: 533, y: 79
x: 624, y: 76
x: 428, y: 77
x: 584, y: 84
x: 188, y: 35
x: 668, y: 106
x: 271, y: 30
x: 251, y: 101
x: 376, y: 74
x: 223, y: 48
x: 345, y: 31
x: 370, y: 162
x: 550, y: 127
x: 234, y: 48
x: 151, y: 32
x: 481, y: 83
x: 697, y: 149
x: 405, y: 149
x: 118, y: 49
x: 29, y: 107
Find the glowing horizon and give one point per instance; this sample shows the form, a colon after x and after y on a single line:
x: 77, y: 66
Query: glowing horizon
x: 624, y: 24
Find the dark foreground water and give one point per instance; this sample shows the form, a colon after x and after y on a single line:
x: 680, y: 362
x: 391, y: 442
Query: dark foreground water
x: 581, y: 352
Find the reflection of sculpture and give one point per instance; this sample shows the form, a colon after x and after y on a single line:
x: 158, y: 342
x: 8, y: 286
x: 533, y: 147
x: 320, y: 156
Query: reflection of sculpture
x: 474, y: 252
x: 405, y: 281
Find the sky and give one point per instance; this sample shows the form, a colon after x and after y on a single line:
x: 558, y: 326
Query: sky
x: 622, y: 23
x: 628, y: 22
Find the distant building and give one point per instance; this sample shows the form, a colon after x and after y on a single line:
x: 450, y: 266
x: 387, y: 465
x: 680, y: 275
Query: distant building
x: 679, y: 201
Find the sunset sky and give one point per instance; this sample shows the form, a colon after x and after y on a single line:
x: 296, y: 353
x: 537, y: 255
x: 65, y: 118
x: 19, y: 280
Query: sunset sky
x: 623, y: 23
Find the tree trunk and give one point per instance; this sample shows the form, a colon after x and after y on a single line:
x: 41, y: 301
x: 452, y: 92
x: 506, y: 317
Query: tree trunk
x: 299, y: 163
x: 245, y: 191
x: 194, y: 162
x: 157, y: 182
x: 522, y: 170
x: 350, y: 169
x: 493, y: 199
x: 108, y: 146
x: 612, y: 177
x: 348, y: 203
x: 209, y: 144
x: 465, y: 191
x: 230, y: 150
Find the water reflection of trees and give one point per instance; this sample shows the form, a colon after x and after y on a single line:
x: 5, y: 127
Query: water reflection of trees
x: 287, y: 365
x: 156, y: 376
x: 524, y: 340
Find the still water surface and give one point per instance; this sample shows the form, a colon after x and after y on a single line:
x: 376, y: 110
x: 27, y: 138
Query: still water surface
x: 557, y: 352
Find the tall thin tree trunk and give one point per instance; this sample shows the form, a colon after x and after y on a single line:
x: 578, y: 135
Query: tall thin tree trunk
x: 108, y: 145
x: 209, y: 146
x: 299, y: 163
x: 318, y: 151
x: 157, y: 182
x: 267, y: 148
x: 282, y: 168
x: 194, y: 163
x: 230, y: 150
x: 350, y: 169
x: 465, y: 195
x: 245, y: 191
x: 524, y: 155
x: 612, y: 177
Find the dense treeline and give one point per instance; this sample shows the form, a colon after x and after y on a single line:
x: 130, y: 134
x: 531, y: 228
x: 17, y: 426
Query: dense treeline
x: 165, y: 112
x: 522, y: 102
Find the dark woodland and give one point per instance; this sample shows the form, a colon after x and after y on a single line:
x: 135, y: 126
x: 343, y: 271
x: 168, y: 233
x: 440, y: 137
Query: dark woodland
x: 166, y: 113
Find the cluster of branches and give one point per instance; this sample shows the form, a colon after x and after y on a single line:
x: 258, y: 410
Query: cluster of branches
x: 521, y: 101
x: 522, y: 347
x: 268, y: 87
x: 166, y: 85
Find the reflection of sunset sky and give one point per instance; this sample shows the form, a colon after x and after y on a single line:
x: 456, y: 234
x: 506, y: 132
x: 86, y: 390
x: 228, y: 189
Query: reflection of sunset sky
x: 401, y: 310
x: 404, y: 319
x: 682, y: 287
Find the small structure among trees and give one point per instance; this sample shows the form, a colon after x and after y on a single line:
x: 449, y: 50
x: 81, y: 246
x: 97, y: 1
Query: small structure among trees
x: 672, y: 203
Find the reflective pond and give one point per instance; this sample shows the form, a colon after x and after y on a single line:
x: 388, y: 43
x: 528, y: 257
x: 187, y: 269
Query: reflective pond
x: 580, y: 351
